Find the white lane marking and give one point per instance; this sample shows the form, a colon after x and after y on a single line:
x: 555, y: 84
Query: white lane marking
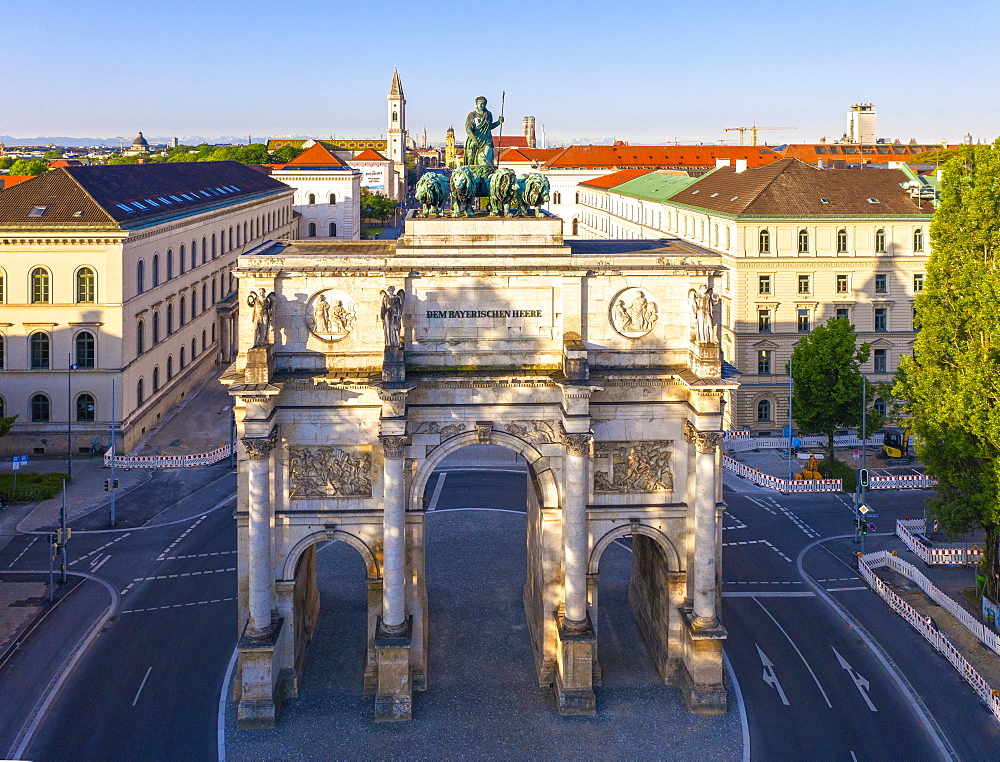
x: 437, y: 491
x: 762, y: 582
x: 127, y: 588
x: 854, y: 757
x: 789, y: 639
x: 845, y: 589
x: 223, y: 695
x: 106, y: 558
x: 183, y: 534
x: 33, y: 539
x: 177, y: 605
x: 755, y: 542
x: 860, y: 683
x: 769, y: 677
x: 760, y: 504
x: 185, y: 574
x: 201, y: 555
x: 807, y: 530
x: 768, y: 594
x: 736, y: 689
x: 141, y: 686
x: 98, y: 550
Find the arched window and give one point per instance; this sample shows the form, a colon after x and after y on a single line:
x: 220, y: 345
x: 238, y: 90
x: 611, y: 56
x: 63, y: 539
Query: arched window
x: 311, y: 200
x: 333, y: 199
x: 764, y: 411
x: 139, y: 395
x: 181, y: 258
x: 238, y: 241
x: 170, y: 367
x: 333, y: 229
x: 556, y: 198
x: 181, y: 317
x: 86, y: 350
x: 170, y: 319
x: 229, y: 243
x: 140, y: 338
x: 156, y: 328
x: 39, y: 408
x: 841, y: 241
x: 156, y: 270
x: 204, y: 343
x: 156, y: 379
x: 880, y: 241
x: 86, y: 408
x: 727, y: 238
x: 213, y: 333
x: 213, y: 290
x: 312, y: 229
x: 213, y: 247
x: 803, y: 241
x: 204, y: 297
x: 86, y: 285
x: 140, y: 276
x: 40, y: 347
x: 764, y: 242
x: 170, y: 264
x: 41, y: 284
x: 3, y: 354
x: 918, y: 239
x: 194, y: 348
x: 577, y: 198
x: 183, y: 355
x: 3, y: 289
x: 245, y: 238
x: 576, y: 226
x: 715, y: 234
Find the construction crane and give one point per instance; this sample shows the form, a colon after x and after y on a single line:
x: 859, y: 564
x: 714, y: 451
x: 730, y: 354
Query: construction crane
x: 753, y: 132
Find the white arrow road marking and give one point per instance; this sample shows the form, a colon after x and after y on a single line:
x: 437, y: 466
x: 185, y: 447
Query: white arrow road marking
x: 862, y: 684
x: 769, y: 677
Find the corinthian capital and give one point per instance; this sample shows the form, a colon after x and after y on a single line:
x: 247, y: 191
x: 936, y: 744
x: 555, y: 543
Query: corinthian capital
x: 707, y: 441
x: 393, y: 446
x: 577, y: 444
x: 257, y: 448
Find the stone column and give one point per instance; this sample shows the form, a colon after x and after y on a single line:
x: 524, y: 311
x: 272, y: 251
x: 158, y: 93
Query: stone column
x: 258, y: 453
x: 394, y: 536
x: 575, y: 544
x: 706, y: 443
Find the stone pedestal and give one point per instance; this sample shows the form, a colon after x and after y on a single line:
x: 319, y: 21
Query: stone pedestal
x: 701, y: 678
x: 575, y: 366
x: 393, y: 365
x: 260, y: 701
x: 394, y: 691
x: 707, y: 361
x: 260, y: 365
x: 576, y: 651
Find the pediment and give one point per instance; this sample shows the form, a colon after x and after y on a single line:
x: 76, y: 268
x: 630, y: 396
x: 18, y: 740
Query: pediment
x: 765, y: 344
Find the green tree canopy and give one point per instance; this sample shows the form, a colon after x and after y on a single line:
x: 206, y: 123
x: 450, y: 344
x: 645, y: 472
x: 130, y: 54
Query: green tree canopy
x: 5, y: 162
x: 934, y: 156
x: 375, y: 206
x: 28, y: 167
x: 57, y: 154
x: 827, y: 382
x: 285, y: 154
x: 952, y: 381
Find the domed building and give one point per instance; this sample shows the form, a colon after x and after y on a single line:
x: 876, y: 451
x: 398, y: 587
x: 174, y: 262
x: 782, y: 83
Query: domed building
x: 139, y: 147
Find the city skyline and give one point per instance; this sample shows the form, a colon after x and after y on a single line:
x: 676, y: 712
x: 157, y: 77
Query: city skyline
x: 643, y: 74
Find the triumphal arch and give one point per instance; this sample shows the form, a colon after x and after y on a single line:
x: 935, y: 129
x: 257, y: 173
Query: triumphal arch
x: 364, y: 364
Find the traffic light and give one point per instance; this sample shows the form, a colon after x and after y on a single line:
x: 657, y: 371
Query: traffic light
x: 107, y: 485
x: 863, y: 477
x: 115, y: 485
x: 859, y: 525
x: 864, y: 526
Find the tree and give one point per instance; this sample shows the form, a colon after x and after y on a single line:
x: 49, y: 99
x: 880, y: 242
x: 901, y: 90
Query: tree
x: 934, y: 156
x: 285, y: 154
x: 6, y: 424
x: 951, y: 384
x: 24, y: 167
x: 827, y: 382
x: 5, y: 162
x: 52, y: 154
x: 375, y: 206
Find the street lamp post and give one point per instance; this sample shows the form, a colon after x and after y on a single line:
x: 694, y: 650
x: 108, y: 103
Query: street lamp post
x: 70, y: 367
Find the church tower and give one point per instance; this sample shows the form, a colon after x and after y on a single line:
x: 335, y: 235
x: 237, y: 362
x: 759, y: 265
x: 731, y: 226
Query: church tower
x: 396, y: 134
x: 449, y: 148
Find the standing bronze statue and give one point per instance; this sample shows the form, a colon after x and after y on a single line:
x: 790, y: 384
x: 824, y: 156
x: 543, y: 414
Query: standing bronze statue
x: 479, y: 151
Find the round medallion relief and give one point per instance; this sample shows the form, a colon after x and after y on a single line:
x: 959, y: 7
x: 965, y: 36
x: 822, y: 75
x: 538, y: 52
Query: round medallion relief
x: 634, y: 312
x: 331, y: 315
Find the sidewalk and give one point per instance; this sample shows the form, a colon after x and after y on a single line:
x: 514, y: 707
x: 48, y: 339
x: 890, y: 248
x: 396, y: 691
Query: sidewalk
x: 201, y: 423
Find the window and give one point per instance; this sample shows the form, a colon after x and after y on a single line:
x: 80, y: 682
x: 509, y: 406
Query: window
x: 918, y: 239
x: 40, y: 285
x: 803, y: 321
x: 39, y: 408
x: 86, y: 408
x: 229, y: 240
x: 764, y: 411
x: 841, y: 241
x: 843, y: 284
x: 204, y: 344
x: 333, y: 199
x: 156, y: 270
x: 86, y: 350
x: 180, y: 258
x: 557, y: 198
x: 803, y: 241
x: 3, y: 408
x: 880, y: 407
x: 170, y: 367
x: 312, y: 199
x: 880, y: 362
x: 170, y: 319
x: 764, y: 362
x: 239, y: 238
x: 86, y: 286
x: 139, y: 392
x: 213, y: 249
x: 576, y: 226
x: 213, y: 290
x: 881, y: 318
x: 312, y: 230
x: 3, y: 290
x: 3, y: 346
x: 182, y: 357
x: 577, y: 198
x: 39, y: 343
x: 170, y: 264
x: 764, y: 284
x: 140, y: 337
x: 204, y: 297
x: 764, y: 242
x: 194, y: 349
x: 844, y: 312
x: 140, y: 276
x: 156, y: 379
x: 156, y: 328
x: 764, y: 321
x: 181, y: 318
x: 880, y: 241
x: 881, y: 285
x: 918, y: 283
x: 213, y: 333
x: 805, y: 284
x: 333, y: 229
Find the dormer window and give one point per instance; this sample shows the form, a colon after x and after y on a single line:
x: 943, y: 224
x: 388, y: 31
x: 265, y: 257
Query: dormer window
x: 37, y: 211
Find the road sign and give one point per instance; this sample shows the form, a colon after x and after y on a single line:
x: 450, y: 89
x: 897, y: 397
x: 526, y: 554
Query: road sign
x: 18, y: 460
x: 856, y: 453
x: 864, y: 510
x: 871, y: 527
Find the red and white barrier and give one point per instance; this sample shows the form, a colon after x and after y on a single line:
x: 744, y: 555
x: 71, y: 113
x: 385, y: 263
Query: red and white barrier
x: 169, y: 461
x: 776, y: 483
x: 871, y: 561
x: 908, y: 530
x: 902, y: 481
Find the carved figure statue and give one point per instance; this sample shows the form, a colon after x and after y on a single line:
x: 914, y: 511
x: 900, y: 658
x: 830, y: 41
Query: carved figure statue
x: 340, y: 318
x: 479, y: 125
x: 392, y: 315
x: 622, y: 318
x: 642, y: 317
x: 532, y: 191
x: 703, y: 302
x: 321, y: 315
x: 432, y: 193
x: 262, y: 309
x: 503, y: 192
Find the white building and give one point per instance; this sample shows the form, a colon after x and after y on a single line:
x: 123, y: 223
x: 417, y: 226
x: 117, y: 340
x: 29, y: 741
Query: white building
x: 123, y: 272
x: 861, y: 123
x: 327, y: 194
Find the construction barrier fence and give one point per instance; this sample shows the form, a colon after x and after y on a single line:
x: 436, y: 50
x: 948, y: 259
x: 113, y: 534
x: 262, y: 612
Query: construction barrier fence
x: 909, y: 531
x: 169, y: 461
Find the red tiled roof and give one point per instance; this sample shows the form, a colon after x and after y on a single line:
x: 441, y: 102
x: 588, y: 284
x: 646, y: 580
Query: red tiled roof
x: 56, y: 163
x: 369, y: 154
x: 511, y: 141
x: 9, y: 181
x: 529, y: 154
x: 879, y: 153
x: 316, y: 156
x: 616, y: 178
x: 654, y: 157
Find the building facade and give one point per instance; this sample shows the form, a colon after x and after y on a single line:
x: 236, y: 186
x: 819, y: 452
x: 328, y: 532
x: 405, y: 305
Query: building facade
x: 117, y: 295
x: 801, y: 245
x: 327, y: 198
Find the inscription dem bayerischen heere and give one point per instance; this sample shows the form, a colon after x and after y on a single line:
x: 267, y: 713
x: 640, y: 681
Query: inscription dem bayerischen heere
x: 465, y: 314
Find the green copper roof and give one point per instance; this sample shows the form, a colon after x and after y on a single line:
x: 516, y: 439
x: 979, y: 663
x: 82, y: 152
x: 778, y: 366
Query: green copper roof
x: 654, y: 186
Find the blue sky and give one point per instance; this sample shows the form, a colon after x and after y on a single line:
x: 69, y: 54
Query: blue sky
x: 638, y: 71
